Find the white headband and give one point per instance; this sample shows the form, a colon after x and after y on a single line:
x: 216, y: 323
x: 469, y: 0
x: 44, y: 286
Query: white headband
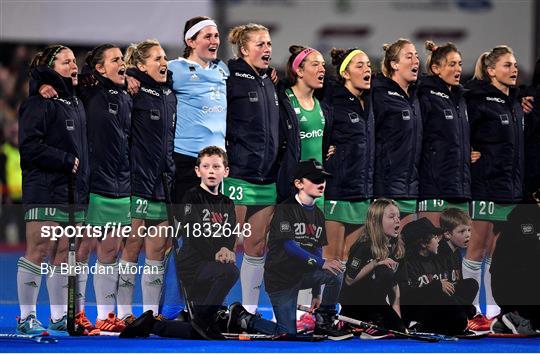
x: 197, y: 27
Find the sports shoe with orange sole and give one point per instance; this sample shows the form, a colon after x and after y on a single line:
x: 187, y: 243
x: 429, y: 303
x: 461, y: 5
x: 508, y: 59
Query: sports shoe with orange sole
x: 110, y: 324
x: 479, y: 323
x: 82, y: 320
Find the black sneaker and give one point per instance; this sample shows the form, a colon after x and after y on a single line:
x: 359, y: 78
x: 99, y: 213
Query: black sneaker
x: 373, y: 333
x: 140, y: 327
x: 239, y: 318
x: 324, y: 325
x: 222, y: 319
x: 332, y: 332
x: 183, y: 316
x: 205, y: 322
x: 206, y: 330
x: 518, y: 324
x: 498, y: 327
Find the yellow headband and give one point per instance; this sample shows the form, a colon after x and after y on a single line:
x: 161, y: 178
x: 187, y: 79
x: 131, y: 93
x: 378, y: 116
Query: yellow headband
x: 347, y: 60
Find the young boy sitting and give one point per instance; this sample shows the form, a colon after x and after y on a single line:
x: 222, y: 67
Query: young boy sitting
x: 206, y: 260
x: 294, y: 261
x: 429, y: 296
x: 456, y: 228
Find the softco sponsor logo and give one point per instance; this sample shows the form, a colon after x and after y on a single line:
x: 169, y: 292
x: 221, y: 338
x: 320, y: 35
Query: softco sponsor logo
x: 213, y: 109
x: 312, y: 134
x: 113, y: 92
x: 245, y: 76
x: 149, y: 91
x: 394, y: 93
x: 440, y: 94
x: 495, y: 99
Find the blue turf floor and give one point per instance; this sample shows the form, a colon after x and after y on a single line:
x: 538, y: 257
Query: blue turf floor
x: 162, y: 345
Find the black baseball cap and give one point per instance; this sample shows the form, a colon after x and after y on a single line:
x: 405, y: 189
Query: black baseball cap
x: 419, y: 228
x: 310, y: 169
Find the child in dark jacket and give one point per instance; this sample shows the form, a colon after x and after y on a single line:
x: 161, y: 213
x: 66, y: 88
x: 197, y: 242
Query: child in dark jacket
x: 429, y: 297
x: 206, y: 260
x: 456, y: 228
x: 295, y: 261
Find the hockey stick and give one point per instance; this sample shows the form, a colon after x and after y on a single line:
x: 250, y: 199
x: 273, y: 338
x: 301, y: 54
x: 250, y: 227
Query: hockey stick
x: 443, y: 337
x: 72, y: 277
x: 279, y: 337
x: 37, y: 338
x: 363, y: 324
x: 176, y: 247
x: 250, y: 336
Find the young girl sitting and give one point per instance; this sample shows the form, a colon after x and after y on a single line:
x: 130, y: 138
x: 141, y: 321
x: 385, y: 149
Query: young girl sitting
x: 370, y: 277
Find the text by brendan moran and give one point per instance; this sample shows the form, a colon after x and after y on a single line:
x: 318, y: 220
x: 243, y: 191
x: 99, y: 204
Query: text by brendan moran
x: 82, y: 268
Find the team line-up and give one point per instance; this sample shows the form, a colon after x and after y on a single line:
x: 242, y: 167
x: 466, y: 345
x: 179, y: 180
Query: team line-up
x: 327, y: 174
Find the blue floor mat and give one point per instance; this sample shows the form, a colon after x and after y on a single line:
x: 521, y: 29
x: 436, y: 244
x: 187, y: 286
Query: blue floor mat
x: 162, y: 345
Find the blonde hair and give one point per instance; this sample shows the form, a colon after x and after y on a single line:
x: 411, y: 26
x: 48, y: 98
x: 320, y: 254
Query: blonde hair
x: 374, y: 231
x: 391, y: 53
x: 488, y: 60
x: 239, y: 36
x: 138, y: 53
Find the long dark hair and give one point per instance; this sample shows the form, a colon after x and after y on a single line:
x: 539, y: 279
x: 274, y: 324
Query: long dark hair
x: 97, y: 55
x: 338, y: 55
x: 294, y: 49
x: 190, y: 23
x: 47, y: 56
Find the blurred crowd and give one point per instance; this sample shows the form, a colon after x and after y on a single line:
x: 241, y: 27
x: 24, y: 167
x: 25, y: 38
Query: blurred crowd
x: 14, y: 62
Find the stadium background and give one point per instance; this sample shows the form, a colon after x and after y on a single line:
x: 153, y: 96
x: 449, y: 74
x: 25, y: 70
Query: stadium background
x: 26, y: 26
